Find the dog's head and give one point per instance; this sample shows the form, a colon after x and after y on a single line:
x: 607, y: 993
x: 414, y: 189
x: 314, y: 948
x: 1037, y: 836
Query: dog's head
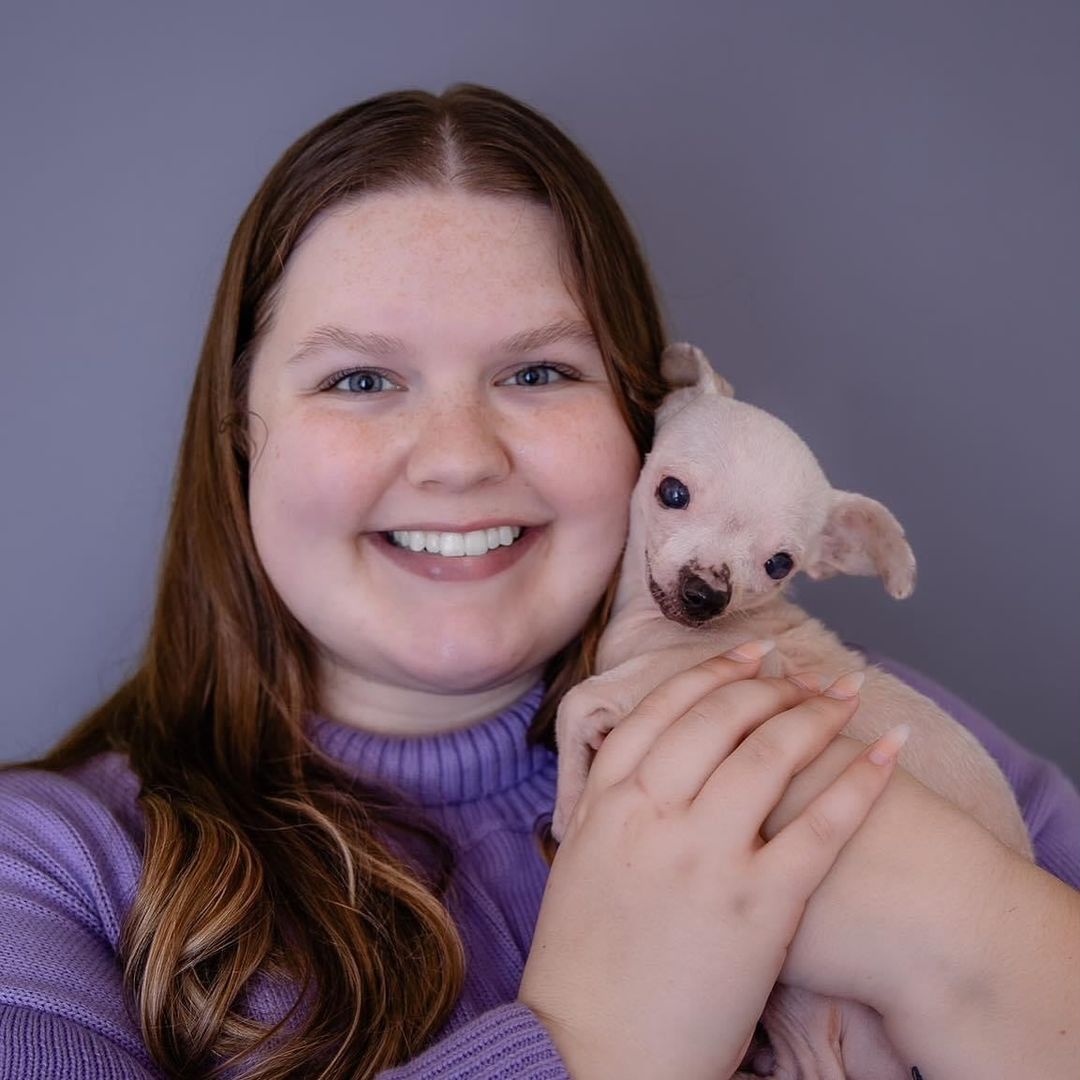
x: 734, y: 504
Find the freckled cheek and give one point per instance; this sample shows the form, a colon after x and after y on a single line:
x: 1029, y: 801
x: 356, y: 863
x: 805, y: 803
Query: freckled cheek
x: 588, y: 458
x: 311, y: 481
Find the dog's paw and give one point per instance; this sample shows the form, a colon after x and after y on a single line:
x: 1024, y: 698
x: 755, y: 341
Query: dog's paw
x: 598, y: 724
x: 578, y: 736
x: 585, y: 717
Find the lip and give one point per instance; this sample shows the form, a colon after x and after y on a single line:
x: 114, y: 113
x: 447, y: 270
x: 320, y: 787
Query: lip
x: 423, y: 564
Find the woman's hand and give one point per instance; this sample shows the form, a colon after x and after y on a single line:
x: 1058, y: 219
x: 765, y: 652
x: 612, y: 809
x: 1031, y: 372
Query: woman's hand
x: 883, y: 927
x: 666, y: 917
x: 968, y: 950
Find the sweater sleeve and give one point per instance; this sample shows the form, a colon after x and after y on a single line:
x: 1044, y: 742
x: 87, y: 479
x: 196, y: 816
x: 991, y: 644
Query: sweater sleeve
x: 504, y: 1043
x: 68, y: 870
x: 65, y: 867
x: 1048, y: 799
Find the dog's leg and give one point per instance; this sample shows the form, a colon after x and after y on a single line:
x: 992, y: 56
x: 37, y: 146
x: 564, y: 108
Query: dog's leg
x: 582, y: 721
x: 585, y: 716
x: 591, y: 709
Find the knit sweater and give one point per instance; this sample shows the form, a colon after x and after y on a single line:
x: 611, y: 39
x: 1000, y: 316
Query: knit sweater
x: 70, y: 859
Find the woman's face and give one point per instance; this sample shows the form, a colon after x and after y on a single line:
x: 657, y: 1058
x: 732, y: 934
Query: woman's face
x: 446, y: 424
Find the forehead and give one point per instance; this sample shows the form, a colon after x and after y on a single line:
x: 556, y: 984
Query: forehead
x: 427, y: 244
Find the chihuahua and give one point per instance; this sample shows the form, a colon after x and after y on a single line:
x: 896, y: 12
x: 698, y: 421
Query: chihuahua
x: 730, y: 505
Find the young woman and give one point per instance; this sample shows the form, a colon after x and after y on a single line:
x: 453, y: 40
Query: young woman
x: 304, y: 838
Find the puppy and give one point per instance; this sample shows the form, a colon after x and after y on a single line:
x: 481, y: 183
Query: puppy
x: 729, y: 506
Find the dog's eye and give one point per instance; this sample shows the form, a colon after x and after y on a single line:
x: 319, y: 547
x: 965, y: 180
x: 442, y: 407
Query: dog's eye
x: 673, y: 493
x: 779, y: 566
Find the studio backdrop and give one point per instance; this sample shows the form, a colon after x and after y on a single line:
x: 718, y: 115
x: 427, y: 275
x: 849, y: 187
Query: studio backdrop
x: 865, y: 213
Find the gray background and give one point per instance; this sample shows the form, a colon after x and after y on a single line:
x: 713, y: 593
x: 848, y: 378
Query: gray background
x: 866, y: 213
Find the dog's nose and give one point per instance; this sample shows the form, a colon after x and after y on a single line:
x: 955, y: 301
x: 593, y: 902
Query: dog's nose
x: 701, y: 600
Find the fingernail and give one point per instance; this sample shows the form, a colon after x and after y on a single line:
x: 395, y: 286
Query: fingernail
x: 750, y: 650
x: 888, y: 746
x: 847, y: 686
x: 808, y: 680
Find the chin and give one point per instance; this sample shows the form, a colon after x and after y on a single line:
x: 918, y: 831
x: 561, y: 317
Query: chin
x: 464, y: 674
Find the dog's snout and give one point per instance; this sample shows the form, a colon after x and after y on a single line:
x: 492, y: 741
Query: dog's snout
x: 701, y: 600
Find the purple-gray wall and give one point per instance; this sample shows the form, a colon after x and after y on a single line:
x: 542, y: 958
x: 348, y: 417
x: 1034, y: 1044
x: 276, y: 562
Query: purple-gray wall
x: 866, y: 213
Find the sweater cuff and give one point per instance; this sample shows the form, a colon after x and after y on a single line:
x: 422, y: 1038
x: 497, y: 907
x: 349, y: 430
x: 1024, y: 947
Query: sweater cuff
x: 504, y: 1043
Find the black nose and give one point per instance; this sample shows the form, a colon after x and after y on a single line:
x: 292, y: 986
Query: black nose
x: 701, y: 600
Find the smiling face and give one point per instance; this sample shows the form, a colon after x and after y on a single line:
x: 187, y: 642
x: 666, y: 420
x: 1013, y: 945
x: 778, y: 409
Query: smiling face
x: 444, y: 425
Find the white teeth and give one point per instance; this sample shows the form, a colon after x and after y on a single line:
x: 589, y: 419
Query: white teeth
x: 478, y: 542
x: 452, y: 543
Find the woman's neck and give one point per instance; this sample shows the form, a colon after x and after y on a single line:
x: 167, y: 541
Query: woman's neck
x: 386, y: 709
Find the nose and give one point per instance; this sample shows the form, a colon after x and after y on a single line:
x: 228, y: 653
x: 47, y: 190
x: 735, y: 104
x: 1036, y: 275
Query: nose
x: 457, y: 447
x: 700, y: 600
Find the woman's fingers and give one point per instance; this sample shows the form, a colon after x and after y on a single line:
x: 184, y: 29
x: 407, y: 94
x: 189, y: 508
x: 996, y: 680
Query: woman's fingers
x: 747, y: 781
x: 739, y: 722
x: 678, y: 699
x: 803, y: 852
x: 724, y: 744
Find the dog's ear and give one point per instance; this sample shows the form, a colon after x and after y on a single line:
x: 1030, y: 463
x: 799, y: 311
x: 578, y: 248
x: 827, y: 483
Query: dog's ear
x: 685, y: 365
x: 688, y: 373
x: 861, y: 536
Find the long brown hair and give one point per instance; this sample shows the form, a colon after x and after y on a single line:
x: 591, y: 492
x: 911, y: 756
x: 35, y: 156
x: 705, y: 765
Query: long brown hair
x: 260, y: 854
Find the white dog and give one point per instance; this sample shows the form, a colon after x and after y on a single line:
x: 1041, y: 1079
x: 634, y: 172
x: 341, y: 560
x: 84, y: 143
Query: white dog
x: 730, y: 505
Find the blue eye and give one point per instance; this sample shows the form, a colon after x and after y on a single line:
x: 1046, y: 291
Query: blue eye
x: 369, y: 375
x: 562, y: 372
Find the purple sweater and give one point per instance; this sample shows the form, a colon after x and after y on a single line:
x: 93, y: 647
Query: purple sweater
x: 70, y: 859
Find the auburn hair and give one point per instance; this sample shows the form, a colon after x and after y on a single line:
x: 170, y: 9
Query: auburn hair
x: 261, y: 854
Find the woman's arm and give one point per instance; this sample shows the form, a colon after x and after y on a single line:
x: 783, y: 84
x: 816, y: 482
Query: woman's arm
x: 1016, y: 1013
x: 967, y: 950
x: 65, y: 866
x: 1008, y: 1004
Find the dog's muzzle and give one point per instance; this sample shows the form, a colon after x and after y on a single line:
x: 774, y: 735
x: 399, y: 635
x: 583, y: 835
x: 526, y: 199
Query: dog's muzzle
x: 692, y: 601
x: 700, y: 601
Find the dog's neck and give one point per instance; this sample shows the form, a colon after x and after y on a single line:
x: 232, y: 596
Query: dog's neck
x: 636, y: 625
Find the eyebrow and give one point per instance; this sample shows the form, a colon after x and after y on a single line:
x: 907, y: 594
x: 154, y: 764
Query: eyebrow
x: 383, y: 346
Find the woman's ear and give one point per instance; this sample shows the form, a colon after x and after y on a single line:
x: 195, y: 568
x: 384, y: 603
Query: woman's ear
x: 861, y: 536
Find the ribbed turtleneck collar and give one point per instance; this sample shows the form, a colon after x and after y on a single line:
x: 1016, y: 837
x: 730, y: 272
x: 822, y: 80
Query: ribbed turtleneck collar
x: 452, y: 767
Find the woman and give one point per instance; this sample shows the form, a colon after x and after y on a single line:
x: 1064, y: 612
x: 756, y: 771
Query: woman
x: 302, y: 837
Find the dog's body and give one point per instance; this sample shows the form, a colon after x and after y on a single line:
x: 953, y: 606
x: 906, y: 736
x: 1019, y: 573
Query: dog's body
x: 693, y: 584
